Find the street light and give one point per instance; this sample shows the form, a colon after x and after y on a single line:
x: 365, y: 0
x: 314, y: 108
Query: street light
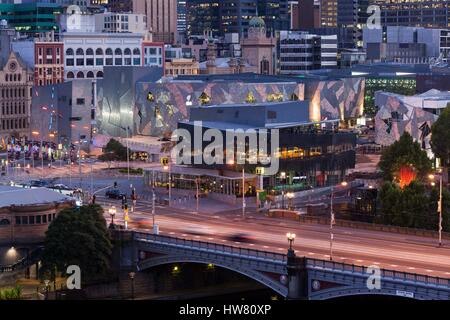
x: 112, y: 212
x: 169, y: 168
x: 290, y: 196
x: 332, y: 218
x: 431, y: 177
x: 291, y: 238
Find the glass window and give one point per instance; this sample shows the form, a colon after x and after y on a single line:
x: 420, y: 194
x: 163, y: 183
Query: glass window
x: 31, y: 220
x: 38, y: 220
x: 24, y: 220
x: 99, y: 61
x: 109, y: 62
x: 18, y: 220
x: 90, y: 61
x: 80, y: 62
x: 136, y: 61
x: 118, y: 61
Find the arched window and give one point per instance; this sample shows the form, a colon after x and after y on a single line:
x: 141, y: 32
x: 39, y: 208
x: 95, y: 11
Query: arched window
x: 6, y: 78
x: 70, y: 75
x: 127, y: 51
x: 109, y: 52
x: 80, y: 52
x: 118, y: 52
x: 80, y: 75
x: 69, y: 52
x: 136, y: 51
x: 19, y: 77
x: 89, y: 52
x: 4, y: 222
x: 100, y: 74
x: 99, y: 51
x: 15, y: 77
x: 90, y: 74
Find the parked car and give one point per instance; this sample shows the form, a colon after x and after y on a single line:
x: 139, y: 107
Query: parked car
x: 115, y: 194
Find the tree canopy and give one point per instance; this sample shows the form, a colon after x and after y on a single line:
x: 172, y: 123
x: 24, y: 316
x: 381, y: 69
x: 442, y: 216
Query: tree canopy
x: 78, y: 236
x: 440, y: 136
x: 404, y: 152
x: 114, y: 151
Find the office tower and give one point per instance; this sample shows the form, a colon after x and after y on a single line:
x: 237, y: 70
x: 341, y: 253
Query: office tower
x: 328, y: 13
x: 352, y: 17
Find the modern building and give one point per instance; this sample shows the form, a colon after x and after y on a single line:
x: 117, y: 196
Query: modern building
x: 414, y: 13
x: 25, y: 214
x: 407, y: 44
x: 352, y: 17
x: 308, y: 15
x: 86, y: 54
x: 161, y: 18
x: 120, y: 5
x: 413, y: 114
x: 181, y: 18
x: 31, y: 18
x: 301, y: 51
x: 203, y: 16
x: 309, y: 153
x: 328, y: 13
x: 16, y: 86
x: 160, y: 106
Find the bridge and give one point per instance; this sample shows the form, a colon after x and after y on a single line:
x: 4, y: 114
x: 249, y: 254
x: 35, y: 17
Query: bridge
x: 290, y: 276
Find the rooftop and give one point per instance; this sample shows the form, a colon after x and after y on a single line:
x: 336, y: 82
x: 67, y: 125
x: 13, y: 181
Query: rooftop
x: 14, y: 196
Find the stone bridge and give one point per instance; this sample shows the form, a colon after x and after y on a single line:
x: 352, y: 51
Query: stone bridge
x: 290, y: 276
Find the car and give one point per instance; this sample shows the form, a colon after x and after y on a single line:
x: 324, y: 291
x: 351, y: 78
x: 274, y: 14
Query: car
x: 115, y: 194
x: 198, y: 231
x: 38, y: 183
x: 241, y: 237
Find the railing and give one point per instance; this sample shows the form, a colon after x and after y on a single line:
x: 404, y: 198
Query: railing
x: 31, y: 258
x: 211, y: 247
x: 386, y: 274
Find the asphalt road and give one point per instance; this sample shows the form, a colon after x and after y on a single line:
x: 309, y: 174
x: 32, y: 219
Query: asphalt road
x: 360, y: 247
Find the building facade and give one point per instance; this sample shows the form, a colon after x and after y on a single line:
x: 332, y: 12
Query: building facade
x: 87, y: 53
x: 161, y: 18
x: 301, y: 51
x: 16, y: 82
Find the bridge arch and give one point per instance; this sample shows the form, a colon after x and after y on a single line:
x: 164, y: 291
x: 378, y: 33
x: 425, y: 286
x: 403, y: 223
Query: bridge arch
x: 255, y: 275
x: 348, y: 292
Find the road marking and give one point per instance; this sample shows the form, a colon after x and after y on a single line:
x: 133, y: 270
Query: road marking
x: 394, y: 265
x: 237, y: 242
x: 359, y: 261
x: 311, y: 253
x: 251, y: 244
x: 280, y: 249
x: 197, y: 237
x: 210, y: 238
x: 266, y: 247
x: 428, y: 270
x: 223, y: 240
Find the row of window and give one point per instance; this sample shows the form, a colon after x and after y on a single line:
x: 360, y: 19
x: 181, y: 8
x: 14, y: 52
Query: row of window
x: 81, y: 75
x: 13, y: 93
x: 295, y: 152
x: 48, y: 81
x: 49, y: 52
x: 39, y: 219
x: 11, y: 124
x: 19, y: 108
x: 13, y: 77
x: 99, y: 52
x: 103, y: 62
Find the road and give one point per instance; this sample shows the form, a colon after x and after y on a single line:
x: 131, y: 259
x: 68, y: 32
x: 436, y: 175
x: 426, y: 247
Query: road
x: 360, y: 247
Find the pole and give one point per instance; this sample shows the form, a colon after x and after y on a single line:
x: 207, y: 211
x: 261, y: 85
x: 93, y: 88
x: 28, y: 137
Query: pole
x: 196, y: 183
x: 153, y: 197
x: 92, y: 178
x: 79, y: 164
x: 42, y: 156
x: 170, y: 181
x: 440, y: 210
x: 331, y: 223
x: 243, y: 193
x: 128, y: 155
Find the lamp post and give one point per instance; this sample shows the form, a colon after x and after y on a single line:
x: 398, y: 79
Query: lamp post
x: 132, y: 275
x: 291, y: 238
x: 431, y: 177
x: 243, y: 193
x: 112, y: 212
x: 290, y: 196
x: 168, y: 167
x: 332, y: 219
x: 153, y: 200
x: 283, y: 176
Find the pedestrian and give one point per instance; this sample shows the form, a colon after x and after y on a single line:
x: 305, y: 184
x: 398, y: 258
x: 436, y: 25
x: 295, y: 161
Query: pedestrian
x: 93, y: 199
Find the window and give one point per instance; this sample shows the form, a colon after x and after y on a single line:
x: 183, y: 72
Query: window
x: 152, y: 51
x: 80, y: 101
x: 49, y: 217
x: 118, y: 61
x: 38, y: 220
x: 127, y: 61
x: 90, y: 74
x: 49, y: 51
x: 100, y: 74
x: 80, y: 75
x: 44, y: 218
x: 24, y: 220
x: 31, y: 220
x: 89, y: 52
x: 136, y: 51
x: 80, y: 52
x: 98, y: 61
x: 99, y: 52
x: 70, y: 62
x: 18, y: 220
x: 70, y: 75
x: 136, y: 61
x: 80, y: 62
x: 118, y: 52
x: 109, y: 61
x: 90, y: 61
x: 127, y: 51
x: 109, y: 52
x: 69, y: 52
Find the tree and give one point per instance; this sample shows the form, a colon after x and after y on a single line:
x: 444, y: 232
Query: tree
x: 114, y: 151
x: 78, y: 236
x: 440, y: 139
x: 404, y: 152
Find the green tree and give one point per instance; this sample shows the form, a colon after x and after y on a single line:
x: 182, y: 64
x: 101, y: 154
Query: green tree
x: 440, y: 139
x: 78, y: 236
x: 114, y: 151
x: 401, y: 153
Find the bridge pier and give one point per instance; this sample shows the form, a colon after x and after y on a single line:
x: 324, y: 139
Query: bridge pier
x: 297, y: 277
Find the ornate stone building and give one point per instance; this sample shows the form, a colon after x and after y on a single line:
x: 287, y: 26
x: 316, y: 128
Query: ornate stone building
x: 16, y: 83
x: 258, y: 49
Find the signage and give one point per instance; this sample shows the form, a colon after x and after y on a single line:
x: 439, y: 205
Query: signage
x: 406, y: 294
x: 165, y: 161
x: 260, y: 171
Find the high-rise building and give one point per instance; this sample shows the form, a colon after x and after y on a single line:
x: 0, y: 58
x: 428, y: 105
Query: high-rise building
x: 181, y: 16
x: 352, y: 17
x: 301, y: 51
x: 233, y: 16
x: 415, y: 13
x: 328, y: 13
x: 161, y: 18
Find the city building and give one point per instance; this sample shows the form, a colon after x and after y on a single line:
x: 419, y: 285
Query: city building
x: 16, y: 85
x: 181, y: 66
x: 120, y: 5
x: 352, y: 17
x: 161, y: 18
x: 407, y: 44
x: 65, y: 113
x: 160, y: 106
x: 202, y: 16
x: 300, y: 51
x: 25, y: 214
x: 328, y: 13
x: 258, y: 49
x: 414, y: 13
x: 31, y: 18
x: 308, y: 15
x: 153, y: 54
x: 413, y: 114
x: 87, y: 53
x: 310, y: 153
x: 181, y: 18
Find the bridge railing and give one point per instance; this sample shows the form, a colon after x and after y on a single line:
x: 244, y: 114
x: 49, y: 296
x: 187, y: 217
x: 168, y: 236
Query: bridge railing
x: 210, y: 246
x: 387, y: 274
